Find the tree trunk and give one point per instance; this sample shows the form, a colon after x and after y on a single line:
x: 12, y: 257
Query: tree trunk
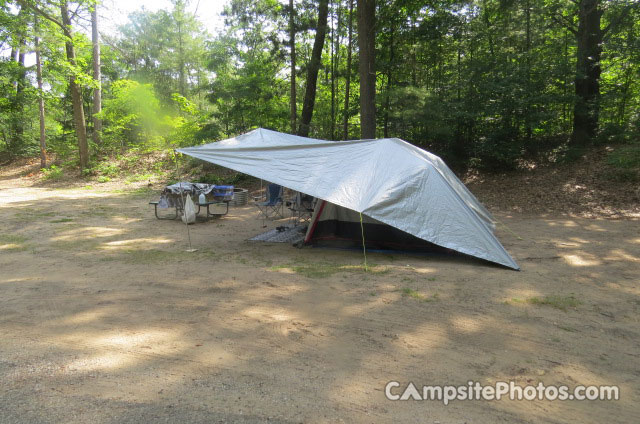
x: 43, y: 140
x: 19, y: 98
x: 366, y: 44
x: 333, y: 77
x: 97, y: 91
x: 181, y: 61
x: 387, y: 99
x: 314, y: 66
x: 347, y: 88
x: 528, y: 131
x: 292, y: 46
x: 76, y: 94
x: 587, y: 81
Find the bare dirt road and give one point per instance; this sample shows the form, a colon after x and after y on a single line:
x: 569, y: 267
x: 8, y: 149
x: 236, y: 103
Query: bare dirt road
x: 105, y: 318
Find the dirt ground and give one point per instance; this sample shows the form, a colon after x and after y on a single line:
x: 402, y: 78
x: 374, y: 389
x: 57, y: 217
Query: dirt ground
x: 106, y: 318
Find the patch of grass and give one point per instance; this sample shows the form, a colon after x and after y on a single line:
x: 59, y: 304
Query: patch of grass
x: 31, y: 215
x: 12, y: 238
x: 12, y: 243
x: 136, y: 178
x: 103, y: 179
x: 323, y: 270
x: 151, y: 256
x: 84, y: 245
x: 55, y: 221
x: 407, y: 292
x: 558, y: 302
x: 140, y: 191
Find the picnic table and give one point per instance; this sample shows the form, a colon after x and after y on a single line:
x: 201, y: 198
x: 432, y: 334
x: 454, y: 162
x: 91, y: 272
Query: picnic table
x: 173, y: 196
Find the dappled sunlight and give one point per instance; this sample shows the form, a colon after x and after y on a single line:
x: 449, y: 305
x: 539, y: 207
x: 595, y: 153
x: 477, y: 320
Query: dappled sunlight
x: 419, y: 270
x: 467, y: 324
x: 125, y: 220
x: 102, y: 362
x: 89, y: 316
x: 88, y: 233
x: 584, y: 374
x: 18, y: 280
x: 138, y: 242
x: 581, y: 259
x: 595, y: 227
x: 10, y: 246
x: 10, y: 196
x: 275, y: 315
x: 571, y: 242
x: 568, y: 223
x: 283, y: 270
x: 424, y: 336
x: 518, y: 296
x: 135, y: 339
x: 621, y: 255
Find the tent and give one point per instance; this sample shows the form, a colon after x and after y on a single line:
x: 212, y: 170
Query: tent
x: 386, y: 180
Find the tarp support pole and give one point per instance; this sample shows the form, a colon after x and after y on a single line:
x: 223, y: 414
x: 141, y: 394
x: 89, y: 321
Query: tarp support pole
x: 364, y: 250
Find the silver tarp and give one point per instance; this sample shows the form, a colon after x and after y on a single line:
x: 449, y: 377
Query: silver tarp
x: 387, y: 179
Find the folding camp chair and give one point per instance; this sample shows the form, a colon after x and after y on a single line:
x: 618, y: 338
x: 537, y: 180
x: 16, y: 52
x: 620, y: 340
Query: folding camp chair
x: 301, y: 208
x: 274, y: 205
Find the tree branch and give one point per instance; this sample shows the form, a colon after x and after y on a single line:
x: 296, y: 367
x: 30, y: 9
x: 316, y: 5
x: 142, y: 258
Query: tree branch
x: 565, y: 23
x: 617, y: 20
x: 45, y: 15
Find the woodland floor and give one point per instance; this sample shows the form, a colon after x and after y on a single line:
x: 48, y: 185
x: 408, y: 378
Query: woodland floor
x: 106, y: 318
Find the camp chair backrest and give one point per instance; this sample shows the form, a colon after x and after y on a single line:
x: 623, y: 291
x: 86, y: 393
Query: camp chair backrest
x: 274, y: 193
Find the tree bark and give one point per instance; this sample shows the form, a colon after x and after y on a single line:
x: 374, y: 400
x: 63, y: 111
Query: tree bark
x: 76, y: 94
x: 387, y: 100
x: 19, y: 99
x: 314, y: 66
x: 347, y: 88
x: 333, y: 76
x: 366, y: 44
x: 97, y: 91
x: 587, y: 81
x: 43, y: 140
x: 292, y: 46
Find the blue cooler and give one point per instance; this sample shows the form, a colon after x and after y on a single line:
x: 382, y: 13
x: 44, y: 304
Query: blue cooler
x: 222, y: 193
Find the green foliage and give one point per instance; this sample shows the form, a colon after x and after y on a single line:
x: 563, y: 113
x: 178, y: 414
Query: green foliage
x: 482, y: 83
x: 625, y: 163
x: 52, y: 173
x: 132, y: 116
x: 625, y: 157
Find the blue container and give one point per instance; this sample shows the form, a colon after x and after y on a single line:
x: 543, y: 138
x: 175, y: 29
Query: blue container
x: 223, y: 193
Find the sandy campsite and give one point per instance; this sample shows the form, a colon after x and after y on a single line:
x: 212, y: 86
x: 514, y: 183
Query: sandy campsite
x: 106, y: 318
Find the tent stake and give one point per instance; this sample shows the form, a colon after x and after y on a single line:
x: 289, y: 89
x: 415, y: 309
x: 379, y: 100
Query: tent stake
x: 364, y: 250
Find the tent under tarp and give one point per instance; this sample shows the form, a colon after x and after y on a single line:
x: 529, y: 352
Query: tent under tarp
x: 388, y: 180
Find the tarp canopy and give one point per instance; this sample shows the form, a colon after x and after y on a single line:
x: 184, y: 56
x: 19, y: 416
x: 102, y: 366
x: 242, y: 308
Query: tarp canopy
x: 386, y: 179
